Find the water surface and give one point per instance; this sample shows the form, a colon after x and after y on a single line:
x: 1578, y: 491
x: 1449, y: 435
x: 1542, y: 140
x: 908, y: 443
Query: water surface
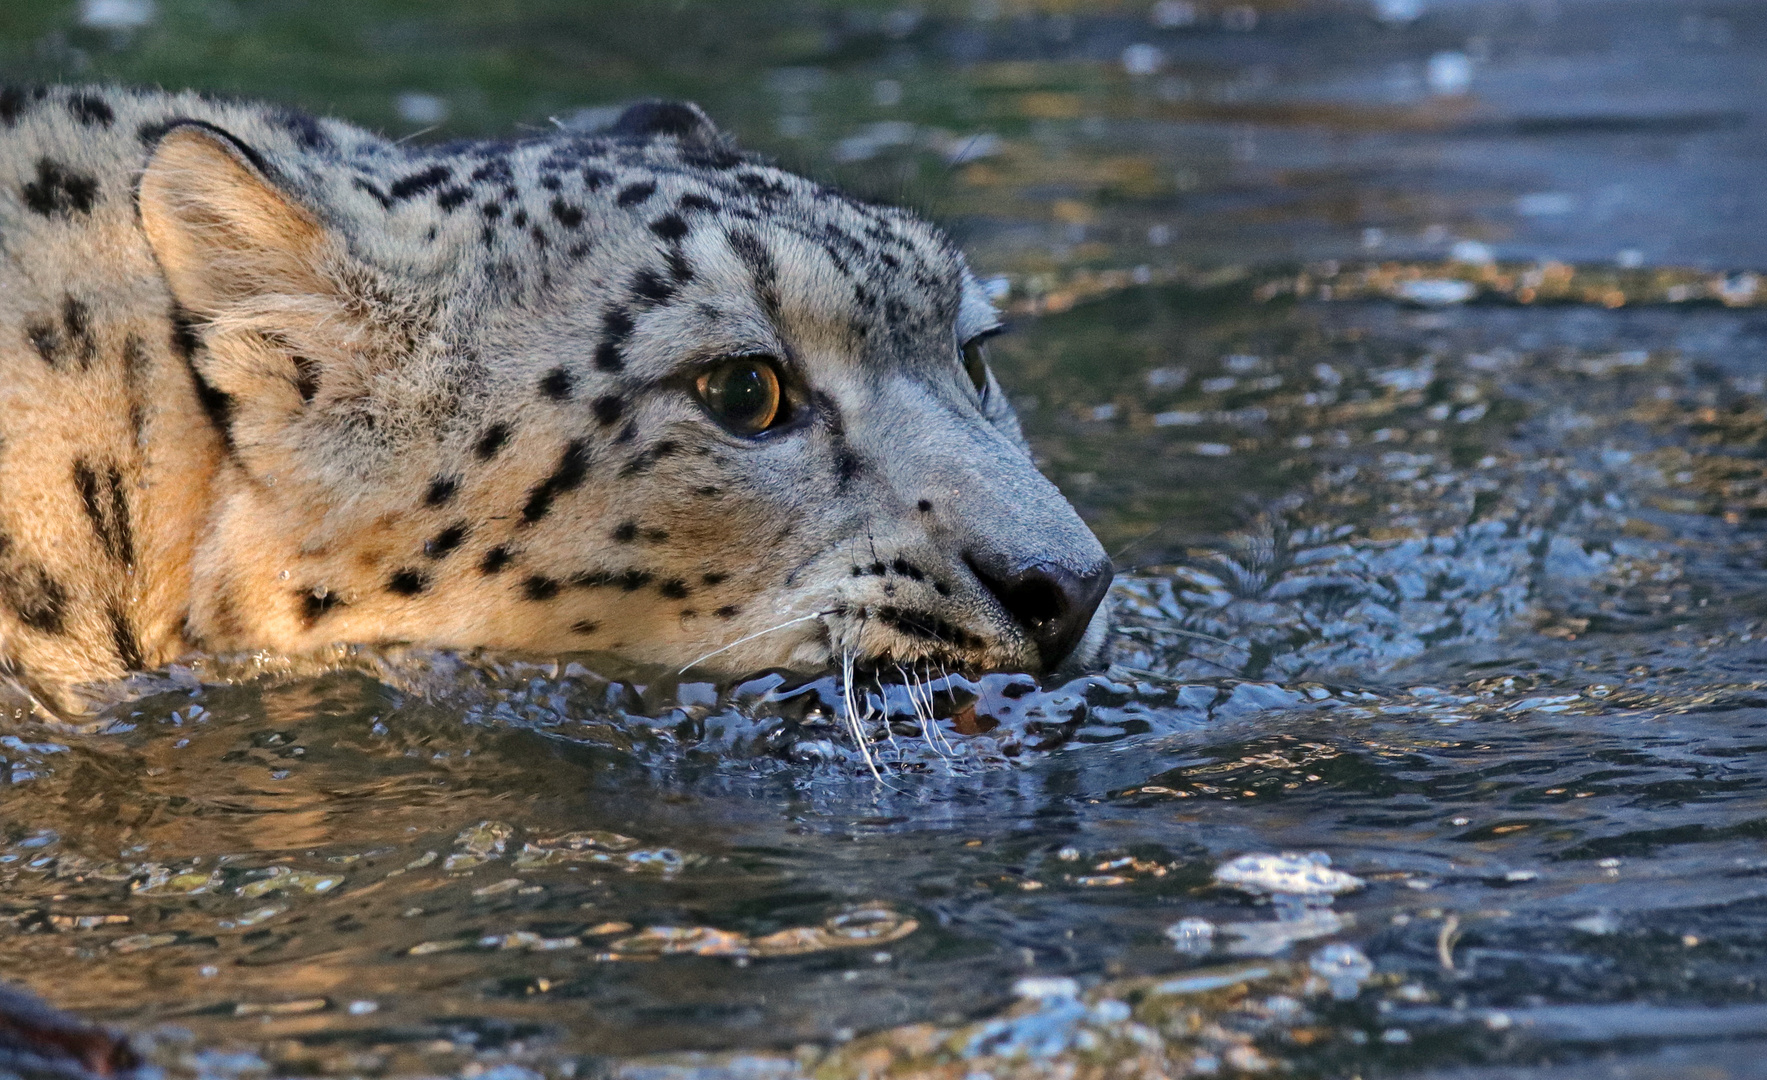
x: 1463, y: 598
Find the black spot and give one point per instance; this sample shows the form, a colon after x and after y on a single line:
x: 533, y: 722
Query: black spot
x: 540, y: 588
x: 408, y: 582
x: 419, y: 182
x: 122, y: 637
x: 569, y: 216
x: 91, y: 110
x: 76, y: 318
x: 306, y: 377
x: 616, y: 327
x: 46, y: 339
x: 317, y: 603
x: 626, y: 532
x: 714, y: 578
x: 633, y: 194
x: 184, y: 337
x: 708, y: 491
x: 519, y: 219
x: 674, y: 589
x: 496, y: 559
x: 585, y: 627
x: 596, y: 179
x: 650, y: 286
x: 557, y: 384
x: 38, y: 599
x: 645, y: 460
x: 107, y: 506
x: 924, y: 506
x: 379, y: 196
x: 728, y: 611
x: 14, y: 100
x: 608, y: 408
x: 669, y: 227
x: 692, y: 201
x: 759, y: 261
x: 491, y: 441
x: 539, y: 236
x: 451, y: 198
x: 679, y: 268
x: 550, y: 182
x: 59, y: 190
x: 846, y: 467
x: 441, y: 489
x: 305, y: 129
x: 907, y: 569
x: 573, y: 466
x: 492, y: 211
x: 495, y: 169
x: 488, y: 235
x: 445, y: 541
x: 632, y: 580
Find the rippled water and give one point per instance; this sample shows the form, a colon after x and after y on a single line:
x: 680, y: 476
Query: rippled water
x: 1468, y: 603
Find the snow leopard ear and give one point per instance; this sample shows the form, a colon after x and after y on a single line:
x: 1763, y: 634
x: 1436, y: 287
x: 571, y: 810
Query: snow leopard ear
x: 225, y: 234
x: 682, y: 119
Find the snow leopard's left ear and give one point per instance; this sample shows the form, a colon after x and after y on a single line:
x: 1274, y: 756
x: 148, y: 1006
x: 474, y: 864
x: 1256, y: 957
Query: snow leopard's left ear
x: 223, y: 231
x: 682, y: 119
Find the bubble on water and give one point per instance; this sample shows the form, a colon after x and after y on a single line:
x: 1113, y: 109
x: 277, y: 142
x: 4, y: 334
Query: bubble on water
x: 1143, y: 59
x: 1045, y: 987
x: 1449, y: 74
x: 1309, y: 875
x: 1344, y: 968
x: 1398, y: 11
x: 1173, y: 14
x: 1472, y: 251
x: 1437, y: 292
x: 1194, y: 936
x: 1545, y: 204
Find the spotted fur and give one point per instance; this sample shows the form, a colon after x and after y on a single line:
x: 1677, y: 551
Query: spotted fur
x: 272, y: 382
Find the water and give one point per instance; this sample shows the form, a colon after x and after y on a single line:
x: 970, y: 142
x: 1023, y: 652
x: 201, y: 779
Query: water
x: 1461, y: 605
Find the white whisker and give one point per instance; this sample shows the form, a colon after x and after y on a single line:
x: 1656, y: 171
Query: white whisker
x: 759, y: 633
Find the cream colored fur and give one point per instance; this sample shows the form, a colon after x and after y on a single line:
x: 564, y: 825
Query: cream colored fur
x: 269, y: 382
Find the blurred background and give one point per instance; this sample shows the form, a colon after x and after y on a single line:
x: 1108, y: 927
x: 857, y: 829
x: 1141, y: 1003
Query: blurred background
x: 1057, y: 135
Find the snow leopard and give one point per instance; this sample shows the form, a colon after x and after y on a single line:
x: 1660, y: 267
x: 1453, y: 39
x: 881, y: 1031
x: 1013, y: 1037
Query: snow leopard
x: 272, y: 382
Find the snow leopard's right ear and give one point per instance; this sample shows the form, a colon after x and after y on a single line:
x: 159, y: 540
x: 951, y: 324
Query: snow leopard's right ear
x: 682, y: 119
x: 224, y: 232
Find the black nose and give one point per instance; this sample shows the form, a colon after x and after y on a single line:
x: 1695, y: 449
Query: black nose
x: 1052, y: 603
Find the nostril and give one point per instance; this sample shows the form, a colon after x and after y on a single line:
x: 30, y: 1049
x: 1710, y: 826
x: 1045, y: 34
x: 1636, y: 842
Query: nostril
x: 1034, y: 603
x: 1052, y: 604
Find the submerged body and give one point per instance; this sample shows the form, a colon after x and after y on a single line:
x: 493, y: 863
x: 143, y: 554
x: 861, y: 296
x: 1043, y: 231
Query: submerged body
x: 272, y: 382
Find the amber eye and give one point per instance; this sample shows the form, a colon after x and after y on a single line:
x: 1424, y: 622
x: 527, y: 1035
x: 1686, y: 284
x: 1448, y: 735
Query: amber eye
x: 975, y: 361
x: 743, y: 394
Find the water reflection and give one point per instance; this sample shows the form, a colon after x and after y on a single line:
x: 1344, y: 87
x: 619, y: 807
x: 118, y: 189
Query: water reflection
x: 1408, y: 358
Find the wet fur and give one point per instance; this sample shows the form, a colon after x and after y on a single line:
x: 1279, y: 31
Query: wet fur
x: 272, y: 382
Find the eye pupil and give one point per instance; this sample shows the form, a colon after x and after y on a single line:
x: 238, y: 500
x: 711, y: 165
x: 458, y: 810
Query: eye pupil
x: 743, y: 394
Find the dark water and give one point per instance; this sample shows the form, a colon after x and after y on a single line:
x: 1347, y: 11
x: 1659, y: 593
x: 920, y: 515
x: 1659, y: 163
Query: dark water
x: 1469, y: 602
